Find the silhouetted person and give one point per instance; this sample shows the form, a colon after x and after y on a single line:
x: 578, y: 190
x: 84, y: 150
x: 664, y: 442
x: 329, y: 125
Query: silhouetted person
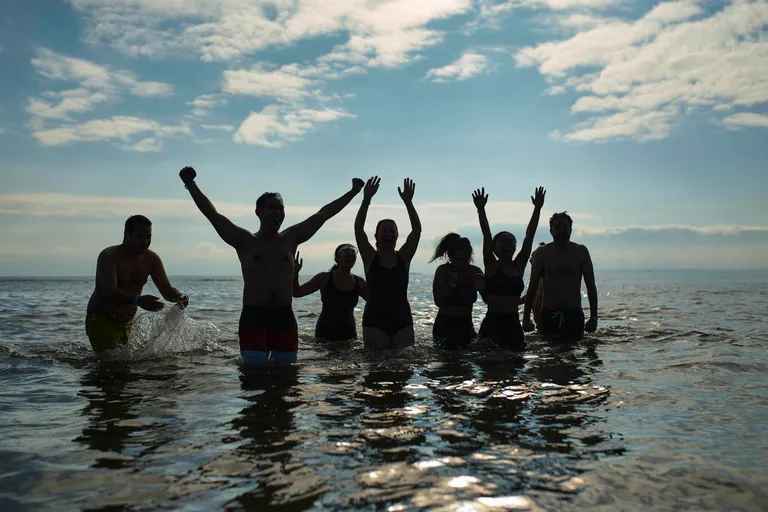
x: 121, y: 273
x: 268, y: 329
x: 560, y: 266
x: 504, y: 274
x: 387, y: 319
x: 455, y: 288
x: 538, y: 301
x: 340, y: 291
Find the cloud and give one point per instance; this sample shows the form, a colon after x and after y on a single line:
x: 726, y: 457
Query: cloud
x: 636, y: 79
x: 147, y: 145
x: 120, y: 128
x: 220, y: 127
x: 204, y: 104
x: 388, y: 33
x: 276, y: 125
x: 151, y: 89
x: 467, y: 65
x: 747, y: 119
x: 284, y: 83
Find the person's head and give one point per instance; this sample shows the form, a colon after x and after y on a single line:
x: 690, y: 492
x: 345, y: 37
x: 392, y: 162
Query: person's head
x: 345, y: 256
x: 454, y: 247
x: 560, y: 226
x: 270, y: 210
x: 386, y: 233
x: 137, y: 234
x: 541, y: 244
x: 504, y: 245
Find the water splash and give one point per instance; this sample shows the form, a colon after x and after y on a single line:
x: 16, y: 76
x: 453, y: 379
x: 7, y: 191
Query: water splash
x: 171, y: 331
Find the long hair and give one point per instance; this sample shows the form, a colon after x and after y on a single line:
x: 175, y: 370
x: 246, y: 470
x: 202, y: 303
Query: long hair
x: 450, y: 243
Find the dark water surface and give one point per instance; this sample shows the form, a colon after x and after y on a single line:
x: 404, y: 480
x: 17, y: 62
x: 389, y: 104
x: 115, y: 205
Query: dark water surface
x: 664, y: 408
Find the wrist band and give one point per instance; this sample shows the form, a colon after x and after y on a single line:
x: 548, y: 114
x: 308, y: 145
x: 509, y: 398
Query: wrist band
x: 135, y: 300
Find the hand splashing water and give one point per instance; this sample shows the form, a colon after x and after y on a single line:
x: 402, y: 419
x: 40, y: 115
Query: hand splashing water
x: 155, y: 335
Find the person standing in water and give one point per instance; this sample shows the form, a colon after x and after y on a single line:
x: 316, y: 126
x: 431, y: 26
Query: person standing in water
x: 559, y: 268
x: 267, y: 329
x: 121, y: 273
x: 387, y: 319
x: 504, y: 274
x: 538, y: 301
x: 340, y: 291
x: 455, y: 288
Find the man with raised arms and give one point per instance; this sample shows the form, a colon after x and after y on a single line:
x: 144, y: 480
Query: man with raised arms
x: 268, y: 329
x: 121, y: 273
x: 559, y: 268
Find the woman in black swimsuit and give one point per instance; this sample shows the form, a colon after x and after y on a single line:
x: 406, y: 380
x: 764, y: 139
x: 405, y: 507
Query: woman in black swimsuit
x: 340, y: 290
x: 455, y: 288
x: 504, y: 274
x: 387, y: 320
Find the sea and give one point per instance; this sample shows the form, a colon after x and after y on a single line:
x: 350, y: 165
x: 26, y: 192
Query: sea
x: 665, y: 407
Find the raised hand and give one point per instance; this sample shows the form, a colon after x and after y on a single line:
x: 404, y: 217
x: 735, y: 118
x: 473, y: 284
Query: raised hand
x: 357, y: 185
x: 538, y: 197
x: 480, y: 198
x: 150, y: 303
x: 409, y: 187
x: 297, y: 264
x: 187, y: 175
x: 371, y: 187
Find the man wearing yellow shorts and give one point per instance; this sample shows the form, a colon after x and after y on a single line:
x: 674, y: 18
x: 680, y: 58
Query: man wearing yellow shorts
x: 121, y: 273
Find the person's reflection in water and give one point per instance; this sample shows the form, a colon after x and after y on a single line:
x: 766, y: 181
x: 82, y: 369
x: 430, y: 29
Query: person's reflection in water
x: 499, y: 410
x: 386, y: 422
x: 267, y: 424
x: 111, y: 404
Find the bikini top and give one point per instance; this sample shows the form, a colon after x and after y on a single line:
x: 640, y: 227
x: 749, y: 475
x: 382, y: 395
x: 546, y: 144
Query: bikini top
x: 505, y: 285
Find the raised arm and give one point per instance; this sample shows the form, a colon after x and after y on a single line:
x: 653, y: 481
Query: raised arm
x: 106, y: 277
x: 521, y: 260
x: 160, y: 278
x: 480, y: 198
x: 537, y: 268
x: 306, y: 229
x: 408, y: 250
x: 588, y: 271
x: 228, y: 231
x: 367, y: 251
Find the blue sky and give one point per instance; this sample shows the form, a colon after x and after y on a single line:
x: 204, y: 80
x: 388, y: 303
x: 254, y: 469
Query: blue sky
x: 647, y: 121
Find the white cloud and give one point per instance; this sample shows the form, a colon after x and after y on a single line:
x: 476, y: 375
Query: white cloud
x: 220, y: 127
x: 147, y: 145
x: 276, y: 125
x: 203, y: 104
x: 120, y: 128
x: 747, y: 119
x: 670, y: 62
x: 282, y: 84
x: 73, y: 101
x: 467, y: 65
x: 384, y: 33
x: 150, y: 89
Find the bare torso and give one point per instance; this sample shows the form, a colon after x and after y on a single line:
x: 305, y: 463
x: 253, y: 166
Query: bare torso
x: 132, y: 274
x: 267, y: 265
x: 561, y: 276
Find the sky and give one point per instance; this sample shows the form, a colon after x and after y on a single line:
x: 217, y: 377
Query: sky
x: 646, y: 121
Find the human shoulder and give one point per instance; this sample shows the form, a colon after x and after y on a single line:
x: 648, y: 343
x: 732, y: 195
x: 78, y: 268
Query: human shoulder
x: 476, y: 269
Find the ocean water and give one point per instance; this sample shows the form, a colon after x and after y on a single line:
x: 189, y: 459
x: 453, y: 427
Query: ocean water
x: 664, y: 408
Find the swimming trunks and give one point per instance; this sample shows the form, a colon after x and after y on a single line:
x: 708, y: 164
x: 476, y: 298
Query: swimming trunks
x: 568, y: 324
x: 504, y: 329
x: 504, y: 285
x: 337, y: 320
x: 452, y: 332
x: 104, y: 333
x: 268, y: 333
x: 387, y: 308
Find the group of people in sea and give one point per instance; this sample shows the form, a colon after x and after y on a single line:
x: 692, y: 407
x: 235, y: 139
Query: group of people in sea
x: 270, y: 264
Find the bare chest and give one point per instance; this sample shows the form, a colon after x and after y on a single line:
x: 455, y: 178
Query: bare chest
x: 267, y: 257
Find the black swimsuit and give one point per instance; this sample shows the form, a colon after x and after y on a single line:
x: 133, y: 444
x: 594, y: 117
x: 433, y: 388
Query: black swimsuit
x: 504, y: 328
x: 387, y: 308
x: 452, y: 332
x: 337, y: 320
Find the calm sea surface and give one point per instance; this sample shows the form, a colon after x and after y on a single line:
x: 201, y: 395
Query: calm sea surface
x: 664, y: 408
